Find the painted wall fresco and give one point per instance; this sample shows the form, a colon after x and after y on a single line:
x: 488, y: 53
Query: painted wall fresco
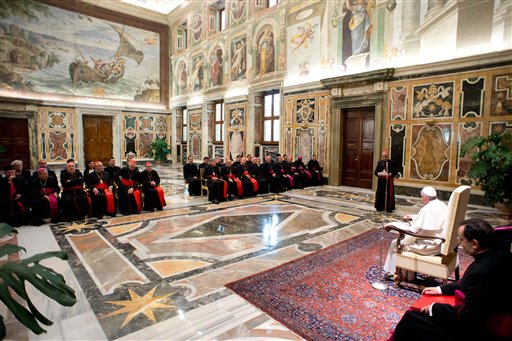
x: 216, y: 65
x: 69, y: 53
x: 303, y: 39
x: 265, y: 50
x: 197, y: 28
x: 197, y: 78
x: 140, y: 129
x: 238, y: 66
x: 56, y: 134
x: 181, y: 78
x: 357, y: 23
x: 237, y: 12
x: 305, y: 123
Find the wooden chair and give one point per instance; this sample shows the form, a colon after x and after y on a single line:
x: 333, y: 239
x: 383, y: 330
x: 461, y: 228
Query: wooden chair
x: 442, y: 265
x: 204, y: 182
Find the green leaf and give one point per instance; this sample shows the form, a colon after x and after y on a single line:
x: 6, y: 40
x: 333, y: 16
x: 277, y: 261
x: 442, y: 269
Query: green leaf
x: 6, y: 229
x: 14, y: 275
x: 8, y: 249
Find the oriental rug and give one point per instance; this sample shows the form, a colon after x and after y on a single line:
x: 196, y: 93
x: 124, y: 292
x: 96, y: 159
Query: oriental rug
x: 327, y: 295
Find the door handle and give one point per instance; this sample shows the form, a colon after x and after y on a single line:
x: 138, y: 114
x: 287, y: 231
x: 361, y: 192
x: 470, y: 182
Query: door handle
x: 356, y: 158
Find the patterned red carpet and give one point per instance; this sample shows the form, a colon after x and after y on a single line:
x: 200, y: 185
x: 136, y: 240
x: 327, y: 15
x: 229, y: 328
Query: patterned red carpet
x: 327, y: 295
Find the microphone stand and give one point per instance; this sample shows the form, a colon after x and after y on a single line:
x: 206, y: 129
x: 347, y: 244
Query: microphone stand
x: 380, y: 285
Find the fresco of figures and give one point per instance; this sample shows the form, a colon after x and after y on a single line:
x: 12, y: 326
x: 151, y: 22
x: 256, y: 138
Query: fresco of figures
x: 70, y: 53
x: 265, y: 50
x: 238, y: 59
x: 216, y: 66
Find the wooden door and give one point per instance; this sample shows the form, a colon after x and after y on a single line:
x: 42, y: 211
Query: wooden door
x: 97, y: 138
x: 14, y: 138
x: 358, y: 136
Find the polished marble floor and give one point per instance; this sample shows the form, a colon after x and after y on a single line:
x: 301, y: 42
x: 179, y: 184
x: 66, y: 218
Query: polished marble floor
x: 161, y: 275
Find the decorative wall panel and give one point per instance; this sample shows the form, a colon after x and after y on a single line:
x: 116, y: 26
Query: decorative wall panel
x: 236, y: 129
x: 398, y: 103
x: 472, y: 97
x: 397, y: 142
x: 433, y: 100
x: 430, y: 152
x: 466, y: 131
x: 501, y: 95
x: 195, y: 133
x: 57, y: 134
x: 306, y: 126
x: 140, y: 129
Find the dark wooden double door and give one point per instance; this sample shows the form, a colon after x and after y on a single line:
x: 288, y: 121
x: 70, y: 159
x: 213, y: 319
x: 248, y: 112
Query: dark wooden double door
x: 14, y: 138
x: 97, y: 138
x: 358, y: 146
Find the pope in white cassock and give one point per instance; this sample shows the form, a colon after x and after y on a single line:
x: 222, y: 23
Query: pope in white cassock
x: 430, y: 220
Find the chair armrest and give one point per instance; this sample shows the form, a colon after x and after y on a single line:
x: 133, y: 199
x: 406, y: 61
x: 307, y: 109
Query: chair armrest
x: 417, y: 235
x: 402, y: 233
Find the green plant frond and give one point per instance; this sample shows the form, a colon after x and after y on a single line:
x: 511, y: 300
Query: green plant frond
x: 8, y: 249
x: 6, y: 229
x: 470, y: 144
x: 14, y: 275
x: 19, y: 311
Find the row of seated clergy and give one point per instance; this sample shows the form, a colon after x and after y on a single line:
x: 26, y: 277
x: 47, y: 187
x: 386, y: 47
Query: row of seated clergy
x: 94, y: 196
x: 255, y: 179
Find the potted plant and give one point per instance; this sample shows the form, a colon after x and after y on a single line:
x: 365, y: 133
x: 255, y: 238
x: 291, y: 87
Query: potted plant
x: 15, y: 273
x: 159, y: 150
x: 492, y: 167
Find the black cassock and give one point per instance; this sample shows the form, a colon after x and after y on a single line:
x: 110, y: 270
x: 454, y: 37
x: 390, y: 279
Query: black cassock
x: 385, y: 196
x: 151, y: 198
x: 40, y: 205
x: 486, y: 286
x: 13, y: 211
x: 191, y: 175
x: 73, y: 199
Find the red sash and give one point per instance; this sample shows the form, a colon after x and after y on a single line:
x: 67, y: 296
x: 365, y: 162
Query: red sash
x: 291, y: 180
x: 138, y: 200
x: 225, y: 188
x: 308, y: 173
x: 54, y: 208
x: 254, y: 184
x: 108, y: 195
x: 74, y: 188
x: 161, y: 195
x: 239, y: 186
x: 127, y: 183
x: 136, y: 193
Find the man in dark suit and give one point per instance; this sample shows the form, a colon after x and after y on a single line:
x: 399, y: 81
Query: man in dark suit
x: 485, y: 287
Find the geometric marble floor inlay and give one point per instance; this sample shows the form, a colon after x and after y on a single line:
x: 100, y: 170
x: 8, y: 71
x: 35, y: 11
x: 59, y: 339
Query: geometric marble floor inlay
x: 161, y: 275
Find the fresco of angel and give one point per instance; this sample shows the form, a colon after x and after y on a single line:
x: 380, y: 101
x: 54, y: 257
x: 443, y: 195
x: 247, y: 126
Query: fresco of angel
x: 304, y: 36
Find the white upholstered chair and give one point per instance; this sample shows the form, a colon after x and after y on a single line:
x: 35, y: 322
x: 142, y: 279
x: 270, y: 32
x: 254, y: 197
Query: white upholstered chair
x: 442, y: 265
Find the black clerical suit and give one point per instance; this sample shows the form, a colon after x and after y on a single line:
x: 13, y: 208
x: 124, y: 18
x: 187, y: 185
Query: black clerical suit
x: 486, y: 286
x: 385, y: 196
x: 316, y: 172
